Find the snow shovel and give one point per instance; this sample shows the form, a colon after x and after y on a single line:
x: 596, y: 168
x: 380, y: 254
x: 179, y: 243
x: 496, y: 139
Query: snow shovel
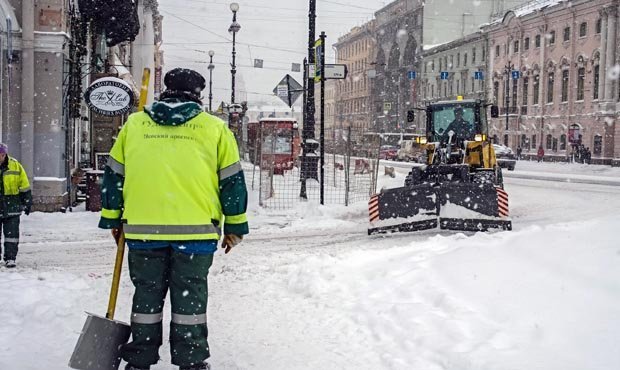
x: 98, y: 347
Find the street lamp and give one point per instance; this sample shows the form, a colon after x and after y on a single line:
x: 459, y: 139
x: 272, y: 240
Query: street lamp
x: 211, y: 68
x: 234, y: 28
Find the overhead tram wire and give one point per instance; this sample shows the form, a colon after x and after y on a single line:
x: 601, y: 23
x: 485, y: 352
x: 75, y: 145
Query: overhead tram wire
x: 225, y: 38
x: 285, y: 9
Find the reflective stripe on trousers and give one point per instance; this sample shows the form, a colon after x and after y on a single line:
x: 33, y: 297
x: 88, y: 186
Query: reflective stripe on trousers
x: 147, y: 318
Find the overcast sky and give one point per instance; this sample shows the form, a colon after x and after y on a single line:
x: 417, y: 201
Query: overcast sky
x: 273, y: 30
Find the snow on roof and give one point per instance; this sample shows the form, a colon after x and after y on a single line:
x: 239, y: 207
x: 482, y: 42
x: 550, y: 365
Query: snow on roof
x: 529, y: 8
x: 429, y: 47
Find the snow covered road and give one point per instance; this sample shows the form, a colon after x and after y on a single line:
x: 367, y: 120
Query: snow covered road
x: 310, y: 290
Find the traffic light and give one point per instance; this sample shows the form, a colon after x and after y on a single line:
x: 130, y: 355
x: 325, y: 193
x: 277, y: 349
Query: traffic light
x: 410, y: 116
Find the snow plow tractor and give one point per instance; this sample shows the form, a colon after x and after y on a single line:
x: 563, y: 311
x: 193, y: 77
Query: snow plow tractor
x: 460, y: 187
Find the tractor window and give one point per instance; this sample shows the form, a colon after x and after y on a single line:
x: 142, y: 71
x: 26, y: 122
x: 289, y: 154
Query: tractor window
x: 455, y: 118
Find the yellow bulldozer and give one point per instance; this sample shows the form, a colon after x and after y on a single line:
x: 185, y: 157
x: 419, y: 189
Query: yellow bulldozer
x: 460, y: 187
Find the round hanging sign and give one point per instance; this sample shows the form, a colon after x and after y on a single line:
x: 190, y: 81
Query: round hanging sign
x: 109, y: 96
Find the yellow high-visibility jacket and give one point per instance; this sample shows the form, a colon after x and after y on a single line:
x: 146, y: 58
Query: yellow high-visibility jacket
x: 15, y: 188
x: 174, y: 174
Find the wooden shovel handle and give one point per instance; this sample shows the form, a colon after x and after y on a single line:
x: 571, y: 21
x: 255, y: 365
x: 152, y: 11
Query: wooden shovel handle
x: 116, y: 278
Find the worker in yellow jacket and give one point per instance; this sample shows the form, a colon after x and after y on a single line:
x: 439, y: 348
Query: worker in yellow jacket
x: 172, y: 183
x: 15, y: 197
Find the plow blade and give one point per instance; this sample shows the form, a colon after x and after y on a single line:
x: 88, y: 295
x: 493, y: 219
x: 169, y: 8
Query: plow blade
x: 451, y: 206
x: 404, y: 209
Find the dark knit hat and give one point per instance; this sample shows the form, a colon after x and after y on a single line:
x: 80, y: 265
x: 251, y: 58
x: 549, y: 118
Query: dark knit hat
x: 184, y: 84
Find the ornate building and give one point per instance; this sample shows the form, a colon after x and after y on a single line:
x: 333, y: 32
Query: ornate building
x: 566, y: 93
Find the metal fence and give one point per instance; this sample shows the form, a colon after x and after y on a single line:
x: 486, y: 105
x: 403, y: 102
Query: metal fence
x: 350, y: 170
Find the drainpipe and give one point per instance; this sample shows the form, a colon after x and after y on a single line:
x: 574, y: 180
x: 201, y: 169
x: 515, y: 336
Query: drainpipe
x: 27, y: 113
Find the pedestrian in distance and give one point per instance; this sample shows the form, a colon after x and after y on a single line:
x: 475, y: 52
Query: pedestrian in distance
x: 173, y: 180
x: 541, y: 153
x: 519, y: 151
x: 16, y: 197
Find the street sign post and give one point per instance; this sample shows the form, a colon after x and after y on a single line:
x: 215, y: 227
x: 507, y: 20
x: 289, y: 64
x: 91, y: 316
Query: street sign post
x: 445, y: 75
x: 516, y: 75
x: 288, y: 90
x: 411, y: 75
x: 478, y: 75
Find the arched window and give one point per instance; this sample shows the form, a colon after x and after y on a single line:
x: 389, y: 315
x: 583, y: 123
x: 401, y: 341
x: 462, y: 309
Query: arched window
x: 549, y: 142
x: 533, y: 142
x: 524, y: 141
x: 506, y: 140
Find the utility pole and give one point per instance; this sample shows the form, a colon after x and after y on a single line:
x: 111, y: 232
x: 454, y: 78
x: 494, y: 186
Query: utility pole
x: 309, y: 158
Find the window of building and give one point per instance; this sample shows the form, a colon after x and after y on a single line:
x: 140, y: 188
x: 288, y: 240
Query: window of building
x: 514, y: 94
x: 563, y: 142
x: 526, y: 44
x: 496, y: 91
x: 536, y: 92
x: 549, y: 142
x: 506, y: 140
x: 432, y: 90
x: 497, y: 51
x: 473, y: 85
x: 515, y: 47
x: 551, y: 37
x: 565, y: 76
x: 484, y: 53
x: 597, y: 70
x: 473, y: 55
x: 537, y: 41
x: 452, y: 60
x: 598, y: 145
x: 583, y: 29
x: 533, y: 141
x: 445, y: 61
x: 599, y: 26
x: 581, y: 81
x: 526, y: 85
x: 566, y: 34
x: 458, y: 86
x: 465, y: 60
x: 550, y: 83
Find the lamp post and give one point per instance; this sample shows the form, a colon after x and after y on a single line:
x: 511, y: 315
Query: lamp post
x: 234, y: 28
x: 211, y: 68
x: 233, y: 114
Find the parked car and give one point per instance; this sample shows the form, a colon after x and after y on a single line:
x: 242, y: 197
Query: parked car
x: 506, y: 157
x: 389, y: 152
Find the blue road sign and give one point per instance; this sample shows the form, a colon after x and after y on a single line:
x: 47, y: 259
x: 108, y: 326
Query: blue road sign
x: 411, y: 75
x: 478, y: 75
x: 516, y: 75
x: 445, y: 75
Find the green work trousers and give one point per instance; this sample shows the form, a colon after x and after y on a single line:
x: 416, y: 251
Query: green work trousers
x: 10, y: 226
x: 153, y: 272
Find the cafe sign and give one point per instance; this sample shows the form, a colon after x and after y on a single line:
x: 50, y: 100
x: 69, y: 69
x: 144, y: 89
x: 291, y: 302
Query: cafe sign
x: 109, y: 96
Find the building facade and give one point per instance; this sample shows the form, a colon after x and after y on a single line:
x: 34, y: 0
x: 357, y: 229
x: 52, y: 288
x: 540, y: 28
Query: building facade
x: 50, y: 54
x: 404, y: 28
x: 464, y: 64
x: 566, y: 92
x: 352, y: 96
